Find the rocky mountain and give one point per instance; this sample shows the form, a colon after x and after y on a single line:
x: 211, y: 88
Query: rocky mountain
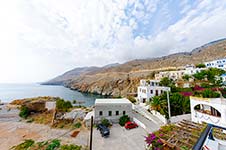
x: 124, y: 78
x: 69, y: 75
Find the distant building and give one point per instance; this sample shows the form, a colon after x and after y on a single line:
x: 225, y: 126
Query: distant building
x: 112, y: 109
x: 149, y: 89
x: 220, y: 64
x: 178, y: 74
x: 50, y: 105
x: 209, y: 110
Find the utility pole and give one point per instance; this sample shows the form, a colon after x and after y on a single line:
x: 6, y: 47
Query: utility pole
x: 91, y: 134
x: 168, y: 101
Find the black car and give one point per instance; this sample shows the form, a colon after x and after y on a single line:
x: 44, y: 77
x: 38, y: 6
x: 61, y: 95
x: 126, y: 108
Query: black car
x: 104, y: 131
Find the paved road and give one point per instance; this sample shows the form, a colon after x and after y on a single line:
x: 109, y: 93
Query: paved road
x: 150, y: 126
x: 120, y: 139
x: 141, y: 110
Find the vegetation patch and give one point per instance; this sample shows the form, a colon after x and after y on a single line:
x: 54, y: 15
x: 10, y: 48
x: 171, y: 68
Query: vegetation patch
x: 105, y: 122
x: 123, y: 120
x: 62, y: 105
x: 24, y: 112
x: 45, y: 145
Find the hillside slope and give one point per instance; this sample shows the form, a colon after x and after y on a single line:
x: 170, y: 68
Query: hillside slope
x: 123, y: 79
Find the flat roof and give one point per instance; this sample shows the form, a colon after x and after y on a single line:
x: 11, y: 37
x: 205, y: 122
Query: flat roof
x: 112, y: 101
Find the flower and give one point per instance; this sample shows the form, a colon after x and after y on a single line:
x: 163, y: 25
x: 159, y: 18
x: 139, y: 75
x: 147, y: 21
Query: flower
x: 159, y: 141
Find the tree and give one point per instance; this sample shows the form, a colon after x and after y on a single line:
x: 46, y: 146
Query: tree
x: 62, y: 105
x: 123, y: 120
x: 166, y: 82
x: 200, y: 65
x: 179, y: 104
x: 186, y: 77
x: 200, y: 75
x: 210, y: 94
x: 159, y: 103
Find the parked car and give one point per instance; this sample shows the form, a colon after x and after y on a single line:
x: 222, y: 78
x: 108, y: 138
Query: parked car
x: 131, y: 125
x: 104, y: 131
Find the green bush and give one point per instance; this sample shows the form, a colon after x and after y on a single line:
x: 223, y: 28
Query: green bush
x: 74, y: 102
x: 123, y: 120
x: 105, y: 122
x: 24, y: 146
x: 77, y: 125
x: 70, y: 147
x: 131, y: 99
x: 53, y: 145
x: 200, y: 66
x: 62, y: 105
x: 24, y: 112
x: 210, y: 94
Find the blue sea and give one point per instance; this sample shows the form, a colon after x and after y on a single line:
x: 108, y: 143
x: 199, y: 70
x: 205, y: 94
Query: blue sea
x: 9, y: 92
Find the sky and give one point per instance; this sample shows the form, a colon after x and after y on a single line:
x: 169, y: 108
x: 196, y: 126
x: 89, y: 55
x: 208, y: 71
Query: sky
x: 40, y: 39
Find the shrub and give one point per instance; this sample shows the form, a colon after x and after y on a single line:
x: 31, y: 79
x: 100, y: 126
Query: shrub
x: 105, y: 122
x: 200, y: 66
x: 53, y: 145
x: 25, y: 145
x: 70, y: 147
x: 74, y: 102
x: 24, y: 112
x: 210, y: 94
x: 62, y: 105
x: 123, y: 120
x: 77, y: 125
x: 132, y: 99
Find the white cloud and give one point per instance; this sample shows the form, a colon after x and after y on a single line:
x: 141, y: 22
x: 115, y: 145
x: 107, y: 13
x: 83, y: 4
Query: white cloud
x: 43, y: 38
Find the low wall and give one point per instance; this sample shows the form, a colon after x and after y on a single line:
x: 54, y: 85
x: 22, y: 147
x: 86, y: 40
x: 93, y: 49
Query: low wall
x: 179, y: 118
x: 139, y: 123
x: 159, y: 116
x: 173, y: 119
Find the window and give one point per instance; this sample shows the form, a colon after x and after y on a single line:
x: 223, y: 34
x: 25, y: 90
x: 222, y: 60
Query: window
x: 109, y: 113
x: 100, y: 113
x: 151, y: 91
x: 117, y: 113
x: 157, y: 93
x: 124, y: 112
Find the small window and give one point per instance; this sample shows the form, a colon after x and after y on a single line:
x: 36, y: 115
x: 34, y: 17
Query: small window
x: 124, y: 112
x: 100, y: 113
x: 151, y: 91
x: 117, y: 113
x: 157, y: 93
x: 109, y: 113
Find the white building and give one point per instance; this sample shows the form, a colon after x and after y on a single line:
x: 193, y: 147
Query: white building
x: 223, y: 76
x: 220, y: 64
x: 209, y: 110
x: 112, y: 109
x: 149, y: 89
x: 178, y: 74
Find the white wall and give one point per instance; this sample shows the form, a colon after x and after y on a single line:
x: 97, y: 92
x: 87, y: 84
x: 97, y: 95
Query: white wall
x: 217, y: 103
x: 159, y: 116
x: 105, y: 108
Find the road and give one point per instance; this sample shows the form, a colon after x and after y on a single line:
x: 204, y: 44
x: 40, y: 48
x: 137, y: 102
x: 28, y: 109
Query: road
x: 141, y: 110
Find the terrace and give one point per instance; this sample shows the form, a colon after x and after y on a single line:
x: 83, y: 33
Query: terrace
x: 183, y: 135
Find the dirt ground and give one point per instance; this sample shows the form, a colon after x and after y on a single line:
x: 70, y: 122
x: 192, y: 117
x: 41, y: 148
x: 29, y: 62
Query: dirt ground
x: 13, y: 131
